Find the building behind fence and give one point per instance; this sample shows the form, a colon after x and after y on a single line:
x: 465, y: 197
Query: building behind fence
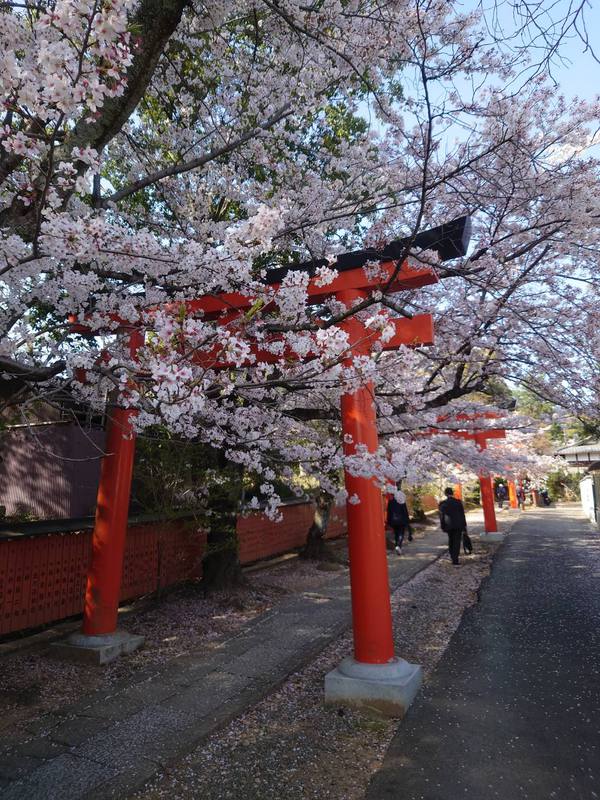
x: 50, y: 470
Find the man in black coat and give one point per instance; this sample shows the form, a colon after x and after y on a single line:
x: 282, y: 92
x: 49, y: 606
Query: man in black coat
x: 398, y: 518
x: 453, y: 521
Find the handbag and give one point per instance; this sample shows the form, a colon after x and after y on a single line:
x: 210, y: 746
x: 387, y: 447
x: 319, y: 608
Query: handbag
x: 467, y: 543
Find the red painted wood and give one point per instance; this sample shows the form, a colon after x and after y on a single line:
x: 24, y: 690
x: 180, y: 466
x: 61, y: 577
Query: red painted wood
x: 487, y: 503
x: 371, y: 610
x: 414, y: 332
x: 512, y: 494
x: 387, y: 275
x: 487, y: 491
x: 405, y: 277
x: 474, y: 435
x: 470, y: 417
x: 104, y: 577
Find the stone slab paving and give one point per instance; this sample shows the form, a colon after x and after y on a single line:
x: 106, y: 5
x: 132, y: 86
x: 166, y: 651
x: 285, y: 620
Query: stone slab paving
x: 512, y: 709
x: 110, y: 743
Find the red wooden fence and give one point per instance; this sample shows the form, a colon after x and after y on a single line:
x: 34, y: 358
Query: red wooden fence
x: 42, y: 577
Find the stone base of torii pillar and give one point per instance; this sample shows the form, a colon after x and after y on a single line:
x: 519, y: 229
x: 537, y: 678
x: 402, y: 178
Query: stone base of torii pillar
x: 388, y: 688
x: 81, y: 648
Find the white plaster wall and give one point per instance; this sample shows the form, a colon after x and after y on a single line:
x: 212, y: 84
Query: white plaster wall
x: 586, y: 488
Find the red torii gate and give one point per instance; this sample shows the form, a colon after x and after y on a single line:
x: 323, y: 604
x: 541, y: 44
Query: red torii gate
x: 374, y: 675
x: 480, y: 438
x: 512, y: 493
x: 485, y: 480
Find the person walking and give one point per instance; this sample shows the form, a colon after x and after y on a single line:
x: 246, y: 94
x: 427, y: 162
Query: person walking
x: 398, y: 518
x: 453, y: 522
x: 501, y: 495
x: 521, y: 497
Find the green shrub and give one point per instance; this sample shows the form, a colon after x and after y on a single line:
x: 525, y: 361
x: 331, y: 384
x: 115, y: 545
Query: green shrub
x: 563, y: 485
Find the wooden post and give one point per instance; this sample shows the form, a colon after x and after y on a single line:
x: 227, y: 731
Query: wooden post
x: 512, y: 494
x: 108, y: 541
x: 110, y: 528
x: 371, y: 610
x: 487, y: 493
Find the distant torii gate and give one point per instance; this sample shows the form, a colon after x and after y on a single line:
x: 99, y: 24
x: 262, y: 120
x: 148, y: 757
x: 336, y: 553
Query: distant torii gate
x: 512, y: 493
x: 480, y: 438
x: 371, y: 612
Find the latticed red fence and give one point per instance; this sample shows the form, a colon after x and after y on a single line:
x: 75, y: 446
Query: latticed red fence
x: 43, y: 576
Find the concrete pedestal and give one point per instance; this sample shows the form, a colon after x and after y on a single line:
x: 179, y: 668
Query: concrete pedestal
x: 103, y: 649
x: 387, y: 688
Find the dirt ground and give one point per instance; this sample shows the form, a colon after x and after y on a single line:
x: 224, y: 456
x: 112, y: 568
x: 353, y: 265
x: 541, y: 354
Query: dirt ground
x: 32, y: 682
x: 290, y: 744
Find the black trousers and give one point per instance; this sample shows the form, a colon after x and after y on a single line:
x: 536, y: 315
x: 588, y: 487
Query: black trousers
x: 454, y: 540
x: 399, y: 532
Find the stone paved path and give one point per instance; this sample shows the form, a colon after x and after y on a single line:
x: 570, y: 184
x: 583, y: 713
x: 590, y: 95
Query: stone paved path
x: 109, y: 744
x: 513, y: 707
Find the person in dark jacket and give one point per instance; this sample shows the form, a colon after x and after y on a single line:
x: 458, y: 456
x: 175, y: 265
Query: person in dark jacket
x: 453, y: 521
x: 501, y: 495
x: 398, y: 518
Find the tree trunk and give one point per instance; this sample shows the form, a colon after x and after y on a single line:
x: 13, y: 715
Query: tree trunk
x: 221, y: 568
x: 315, y: 548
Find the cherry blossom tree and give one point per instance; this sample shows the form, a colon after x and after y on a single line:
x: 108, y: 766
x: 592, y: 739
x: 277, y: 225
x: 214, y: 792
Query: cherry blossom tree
x: 156, y: 152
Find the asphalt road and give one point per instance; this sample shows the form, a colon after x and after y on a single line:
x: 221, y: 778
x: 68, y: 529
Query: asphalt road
x: 512, y: 710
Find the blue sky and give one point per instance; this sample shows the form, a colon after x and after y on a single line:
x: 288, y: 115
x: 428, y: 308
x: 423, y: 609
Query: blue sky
x: 580, y: 76
x: 576, y: 71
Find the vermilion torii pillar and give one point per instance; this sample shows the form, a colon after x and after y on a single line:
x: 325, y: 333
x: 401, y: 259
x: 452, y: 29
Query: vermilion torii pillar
x: 485, y: 481
x: 112, y: 512
x: 512, y: 494
x: 487, y: 493
x: 374, y: 677
x: 99, y: 641
x: 110, y: 528
x: 371, y: 610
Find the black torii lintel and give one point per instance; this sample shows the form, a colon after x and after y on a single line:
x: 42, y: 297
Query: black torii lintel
x: 450, y: 240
